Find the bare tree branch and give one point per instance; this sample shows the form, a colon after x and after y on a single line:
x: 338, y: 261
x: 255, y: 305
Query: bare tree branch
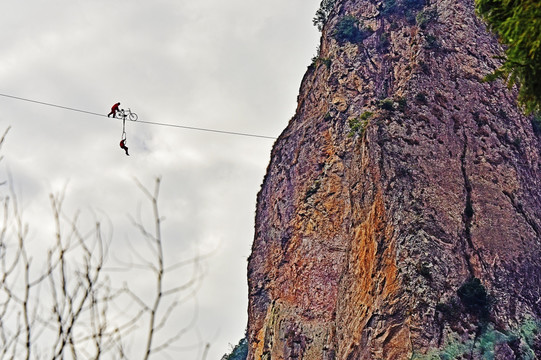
x: 62, y: 301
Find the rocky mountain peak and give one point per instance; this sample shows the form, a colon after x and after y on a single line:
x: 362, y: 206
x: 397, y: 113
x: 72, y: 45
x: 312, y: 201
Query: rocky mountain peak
x: 400, y: 216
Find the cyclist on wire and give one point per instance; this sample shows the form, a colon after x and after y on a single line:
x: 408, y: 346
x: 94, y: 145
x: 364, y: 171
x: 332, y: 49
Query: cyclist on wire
x: 114, y: 109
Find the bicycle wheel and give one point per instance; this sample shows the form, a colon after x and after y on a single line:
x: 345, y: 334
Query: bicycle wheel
x: 133, y: 117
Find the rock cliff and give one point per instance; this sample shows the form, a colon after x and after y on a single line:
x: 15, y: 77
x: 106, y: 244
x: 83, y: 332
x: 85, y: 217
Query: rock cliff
x: 400, y: 216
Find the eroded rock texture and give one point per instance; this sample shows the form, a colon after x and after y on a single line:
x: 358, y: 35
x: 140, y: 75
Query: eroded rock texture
x: 401, y: 177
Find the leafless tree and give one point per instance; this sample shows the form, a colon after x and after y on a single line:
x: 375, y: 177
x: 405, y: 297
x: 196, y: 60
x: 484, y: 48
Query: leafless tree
x: 62, y: 301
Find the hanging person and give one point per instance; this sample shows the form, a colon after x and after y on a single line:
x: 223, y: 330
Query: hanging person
x: 114, y: 109
x: 123, y: 138
x: 123, y: 146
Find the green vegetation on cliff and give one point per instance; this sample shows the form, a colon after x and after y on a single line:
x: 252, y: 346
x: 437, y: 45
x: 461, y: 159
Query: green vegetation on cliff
x: 348, y: 30
x: 519, y: 343
x: 239, y: 352
x: 323, y: 13
x: 518, y: 25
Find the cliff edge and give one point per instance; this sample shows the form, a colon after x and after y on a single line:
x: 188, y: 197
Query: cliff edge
x: 400, y: 216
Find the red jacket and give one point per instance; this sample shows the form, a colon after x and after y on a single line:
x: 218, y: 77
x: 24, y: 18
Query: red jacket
x: 115, y: 107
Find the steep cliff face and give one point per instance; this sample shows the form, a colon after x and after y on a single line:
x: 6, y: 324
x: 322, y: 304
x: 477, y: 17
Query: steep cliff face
x: 402, y: 178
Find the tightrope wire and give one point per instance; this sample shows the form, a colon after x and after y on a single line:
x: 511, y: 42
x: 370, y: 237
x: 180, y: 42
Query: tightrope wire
x: 139, y: 121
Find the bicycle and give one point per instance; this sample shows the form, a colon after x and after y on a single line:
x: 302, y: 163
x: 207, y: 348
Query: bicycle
x: 123, y: 114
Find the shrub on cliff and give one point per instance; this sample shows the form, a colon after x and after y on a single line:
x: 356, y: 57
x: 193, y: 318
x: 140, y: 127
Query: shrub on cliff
x: 358, y: 125
x: 423, y: 18
x: 239, y: 352
x: 474, y: 297
x: 386, y: 104
x: 322, y: 14
x: 518, y: 25
x: 348, y: 30
x: 522, y: 341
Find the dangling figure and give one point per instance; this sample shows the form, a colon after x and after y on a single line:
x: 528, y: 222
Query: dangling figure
x: 114, y: 109
x: 123, y: 146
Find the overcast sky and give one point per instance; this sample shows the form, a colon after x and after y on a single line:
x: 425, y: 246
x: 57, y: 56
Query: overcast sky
x: 228, y: 65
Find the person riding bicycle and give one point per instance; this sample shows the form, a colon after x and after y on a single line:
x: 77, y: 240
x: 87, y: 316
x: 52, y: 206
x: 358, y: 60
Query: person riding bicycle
x: 114, y: 110
x: 123, y: 146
